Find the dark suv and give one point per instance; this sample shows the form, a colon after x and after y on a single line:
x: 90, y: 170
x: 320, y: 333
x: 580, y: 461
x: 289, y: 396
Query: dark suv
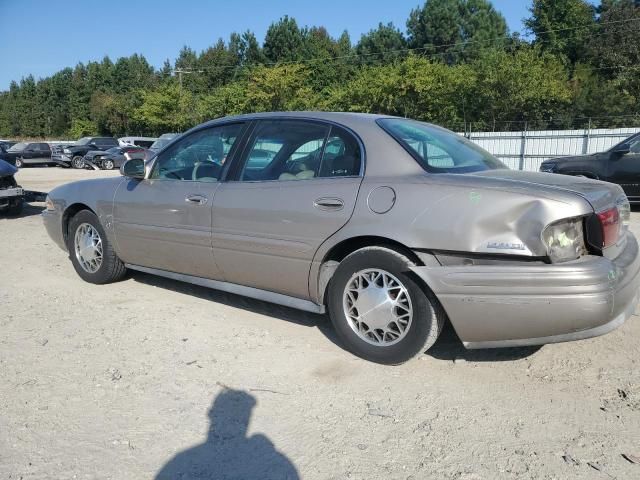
x: 620, y: 164
x: 74, y: 154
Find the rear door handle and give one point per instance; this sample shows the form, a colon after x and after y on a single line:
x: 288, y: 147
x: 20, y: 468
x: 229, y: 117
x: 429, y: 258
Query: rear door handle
x: 327, y: 203
x: 196, y: 199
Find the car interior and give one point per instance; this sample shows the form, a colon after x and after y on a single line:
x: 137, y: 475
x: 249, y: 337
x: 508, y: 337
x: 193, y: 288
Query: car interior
x: 300, y: 153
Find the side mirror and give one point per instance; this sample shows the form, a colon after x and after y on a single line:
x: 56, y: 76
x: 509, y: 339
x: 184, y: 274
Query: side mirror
x: 133, y: 168
x: 622, y: 149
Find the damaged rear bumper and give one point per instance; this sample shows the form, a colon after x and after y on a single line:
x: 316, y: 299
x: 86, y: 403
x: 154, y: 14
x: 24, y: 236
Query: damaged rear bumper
x: 494, y: 306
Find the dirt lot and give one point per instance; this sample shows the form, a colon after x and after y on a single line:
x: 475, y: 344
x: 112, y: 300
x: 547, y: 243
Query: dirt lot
x: 152, y: 376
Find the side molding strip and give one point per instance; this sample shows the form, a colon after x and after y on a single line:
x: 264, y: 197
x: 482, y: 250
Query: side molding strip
x: 250, y: 292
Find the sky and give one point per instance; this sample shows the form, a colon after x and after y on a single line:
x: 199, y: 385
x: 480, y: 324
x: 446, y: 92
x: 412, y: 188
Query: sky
x: 40, y: 37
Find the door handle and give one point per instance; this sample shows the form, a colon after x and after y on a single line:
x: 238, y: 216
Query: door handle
x: 329, y: 203
x: 196, y: 199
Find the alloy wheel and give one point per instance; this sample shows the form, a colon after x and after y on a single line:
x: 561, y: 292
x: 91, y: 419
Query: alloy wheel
x: 88, y: 247
x: 377, y: 307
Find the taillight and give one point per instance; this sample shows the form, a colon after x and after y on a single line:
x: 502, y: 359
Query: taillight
x: 610, y: 223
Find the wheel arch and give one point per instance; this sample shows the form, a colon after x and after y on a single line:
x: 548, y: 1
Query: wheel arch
x: 345, y: 247
x: 69, y: 213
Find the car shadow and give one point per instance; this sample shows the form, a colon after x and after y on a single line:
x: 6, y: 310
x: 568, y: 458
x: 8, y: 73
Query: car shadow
x: 228, y: 451
x: 449, y: 347
x: 27, y: 211
x: 298, y: 317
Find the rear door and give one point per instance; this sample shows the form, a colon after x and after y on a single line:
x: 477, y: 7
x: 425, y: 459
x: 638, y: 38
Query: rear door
x: 45, y: 153
x: 286, y: 195
x: 164, y: 221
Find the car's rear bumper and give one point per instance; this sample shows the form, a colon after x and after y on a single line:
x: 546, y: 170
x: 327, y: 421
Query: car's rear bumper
x: 517, y: 305
x: 53, y: 224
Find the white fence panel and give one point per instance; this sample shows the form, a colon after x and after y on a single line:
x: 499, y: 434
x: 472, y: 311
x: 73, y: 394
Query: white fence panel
x: 526, y: 150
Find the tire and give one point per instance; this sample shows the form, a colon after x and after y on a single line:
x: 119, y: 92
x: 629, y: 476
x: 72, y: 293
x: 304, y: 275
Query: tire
x: 426, y: 318
x: 107, y: 164
x: 19, y: 163
x: 110, y: 269
x: 77, y: 162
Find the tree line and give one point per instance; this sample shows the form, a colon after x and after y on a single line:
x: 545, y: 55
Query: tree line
x: 456, y: 64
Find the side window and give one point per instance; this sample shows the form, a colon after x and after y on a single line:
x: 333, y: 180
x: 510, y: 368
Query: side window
x: 285, y: 150
x: 342, y: 155
x: 634, y: 146
x: 199, y: 156
x: 45, y: 147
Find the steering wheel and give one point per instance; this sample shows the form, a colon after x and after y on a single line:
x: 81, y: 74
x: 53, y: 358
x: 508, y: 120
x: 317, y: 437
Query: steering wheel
x: 196, y: 167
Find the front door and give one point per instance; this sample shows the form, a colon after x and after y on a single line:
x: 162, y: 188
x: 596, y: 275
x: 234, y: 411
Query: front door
x: 294, y: 187
x: 625, y: 170
x: 164, y: 221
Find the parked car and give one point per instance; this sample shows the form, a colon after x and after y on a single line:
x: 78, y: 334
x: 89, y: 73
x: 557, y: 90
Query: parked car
x: 162, y: 141
x: 74, y: 154
x: 6, y: 145
x: 144, y: 142
x: 395, y: 228
x: 114, y: 157
x: 28, y: 153
x: 620, y: 164
x: 11, y: 194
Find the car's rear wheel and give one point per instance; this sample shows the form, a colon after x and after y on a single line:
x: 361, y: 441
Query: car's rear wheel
x: 379, y: 311
x: 19, y: 163
x: 77, y: 162
x: 107, y: 164
x: 91, y: 252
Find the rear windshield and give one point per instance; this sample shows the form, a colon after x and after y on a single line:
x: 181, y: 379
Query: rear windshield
x: 439, y: 150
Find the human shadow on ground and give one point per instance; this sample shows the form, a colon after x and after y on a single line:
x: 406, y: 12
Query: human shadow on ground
x: 228, y: 453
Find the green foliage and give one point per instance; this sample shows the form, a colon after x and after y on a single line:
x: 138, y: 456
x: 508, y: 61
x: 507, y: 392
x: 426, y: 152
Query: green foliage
x: 455, y: 64
x: 381, y: 45
x: 166, y: 109
x: 283, y: 41
x: 82, y: 128
x: 525, y: 86
x: 455, y: 30
x: 562, y: 27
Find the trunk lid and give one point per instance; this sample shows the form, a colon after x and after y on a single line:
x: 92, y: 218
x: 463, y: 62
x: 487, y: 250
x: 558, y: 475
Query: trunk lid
x: 601, y: 195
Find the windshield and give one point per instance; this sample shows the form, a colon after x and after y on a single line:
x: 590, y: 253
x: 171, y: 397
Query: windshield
x: 83, y: 141
x: 17, y: 147
x: 160, y: 143
x: 113, y: 150
x: 439, y: 150
x: 633, y: 141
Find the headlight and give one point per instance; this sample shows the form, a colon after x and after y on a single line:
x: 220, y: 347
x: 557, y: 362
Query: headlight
x: 547, y: 167
x: 67, y: 151
x: 48, y: 204
x: 564, y: 240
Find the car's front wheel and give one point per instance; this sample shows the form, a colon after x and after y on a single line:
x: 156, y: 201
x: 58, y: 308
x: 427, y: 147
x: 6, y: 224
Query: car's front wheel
x: 108, y: 164
x: 19, y: 163
x: 91, y: 252
x: 379, y: 311
x: 77, y: 162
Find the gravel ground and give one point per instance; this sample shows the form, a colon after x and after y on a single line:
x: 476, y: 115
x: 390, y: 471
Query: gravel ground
x: 154, y: 378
